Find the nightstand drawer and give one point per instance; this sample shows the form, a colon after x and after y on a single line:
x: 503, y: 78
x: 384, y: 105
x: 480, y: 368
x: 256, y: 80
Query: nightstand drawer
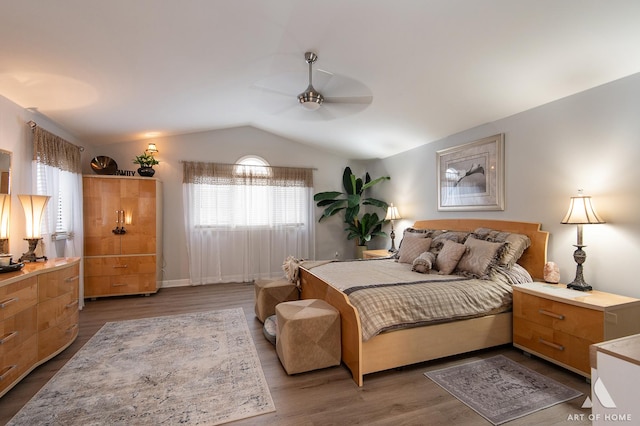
x: 574, y: 320
x: 562, y: 347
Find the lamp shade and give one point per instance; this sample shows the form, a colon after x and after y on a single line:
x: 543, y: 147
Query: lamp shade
x: 33, y: 206
x: 151, y: 148
x: 5, y: 212
x: 392, y: 213
x: 581, y: 212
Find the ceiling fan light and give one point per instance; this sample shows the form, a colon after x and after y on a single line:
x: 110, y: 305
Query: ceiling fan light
x: 310, y: 100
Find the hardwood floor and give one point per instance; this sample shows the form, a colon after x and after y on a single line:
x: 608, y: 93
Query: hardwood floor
x: 325, y: 397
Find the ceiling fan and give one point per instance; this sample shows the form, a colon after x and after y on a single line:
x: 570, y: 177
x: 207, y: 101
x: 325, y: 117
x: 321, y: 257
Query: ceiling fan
x: 333, y: 94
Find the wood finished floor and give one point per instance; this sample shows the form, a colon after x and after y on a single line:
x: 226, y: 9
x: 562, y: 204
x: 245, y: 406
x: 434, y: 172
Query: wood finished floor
x: 325, y: 397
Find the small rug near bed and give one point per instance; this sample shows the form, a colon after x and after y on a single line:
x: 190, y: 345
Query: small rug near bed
x: 501, y: 390
x: 198, y: 368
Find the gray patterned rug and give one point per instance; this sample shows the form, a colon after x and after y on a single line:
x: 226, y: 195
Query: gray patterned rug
x: 501, y: 390
x: 199, y: 368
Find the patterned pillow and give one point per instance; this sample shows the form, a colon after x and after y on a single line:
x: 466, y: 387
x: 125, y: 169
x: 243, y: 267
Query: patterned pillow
x: 424, y: 263
x: 449, y: 256
x: 455, y: 236
x: 412, y: 247
x: 516, y: 244
x: 479, y: 258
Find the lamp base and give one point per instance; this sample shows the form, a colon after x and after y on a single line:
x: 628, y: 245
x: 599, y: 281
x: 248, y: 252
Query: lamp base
x: 30, y: 256
x: 578, y: 282
x: 393, y: 242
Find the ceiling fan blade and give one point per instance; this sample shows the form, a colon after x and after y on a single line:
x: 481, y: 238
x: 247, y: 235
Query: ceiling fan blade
x: 271, y: 90
x: 321, y: 78
x: 348, y: 99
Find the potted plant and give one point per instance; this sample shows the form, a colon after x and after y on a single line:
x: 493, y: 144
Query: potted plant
x: 363, y: 227
x: 146, y: 162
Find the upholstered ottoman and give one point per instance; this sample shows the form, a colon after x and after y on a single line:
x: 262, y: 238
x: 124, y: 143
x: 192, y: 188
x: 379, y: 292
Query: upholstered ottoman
x: 270, y: 293
x: 308, y: 335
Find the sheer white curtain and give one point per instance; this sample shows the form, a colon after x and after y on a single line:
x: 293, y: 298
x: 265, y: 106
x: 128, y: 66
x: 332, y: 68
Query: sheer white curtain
x: 243, y: 221
x: 57, y: 173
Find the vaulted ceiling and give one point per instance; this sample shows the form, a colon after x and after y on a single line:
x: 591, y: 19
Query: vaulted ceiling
x: 121, y: 70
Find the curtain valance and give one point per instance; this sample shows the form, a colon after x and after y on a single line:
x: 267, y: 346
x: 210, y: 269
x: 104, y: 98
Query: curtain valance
x: 250, y: 175
x: 52, y: 150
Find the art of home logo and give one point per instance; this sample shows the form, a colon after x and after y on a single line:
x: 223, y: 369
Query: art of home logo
x: 602, y: 394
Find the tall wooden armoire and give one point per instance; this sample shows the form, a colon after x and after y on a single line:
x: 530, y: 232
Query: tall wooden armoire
x: 122, y: 235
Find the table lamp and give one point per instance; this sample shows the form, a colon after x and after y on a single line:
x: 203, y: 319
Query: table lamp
x: 392, y: 214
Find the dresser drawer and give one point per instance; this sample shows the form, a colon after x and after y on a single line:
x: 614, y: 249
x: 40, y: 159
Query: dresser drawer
x: 16, y: 362
x: 121, y: 284
x: 54, y: 311
x: 570, y: 319
x: 56, y: 283
x: 119, y: 266
x: 16, y: 330
x: 557, y: 345
x: 54, y: 339
x: 18, y: 296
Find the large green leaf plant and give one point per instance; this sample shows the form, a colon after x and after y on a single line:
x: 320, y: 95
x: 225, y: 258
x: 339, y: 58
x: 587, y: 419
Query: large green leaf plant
x: 360, y: 227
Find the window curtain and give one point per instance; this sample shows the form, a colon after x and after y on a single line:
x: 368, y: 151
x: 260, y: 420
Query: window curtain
x: 58, y: 174
x: 243, y: 221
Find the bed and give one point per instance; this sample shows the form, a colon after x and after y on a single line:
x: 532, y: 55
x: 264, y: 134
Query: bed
x: 404, y: 346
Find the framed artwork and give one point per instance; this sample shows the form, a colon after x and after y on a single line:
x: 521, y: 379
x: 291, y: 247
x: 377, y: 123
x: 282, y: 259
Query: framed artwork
x: 471, y: 176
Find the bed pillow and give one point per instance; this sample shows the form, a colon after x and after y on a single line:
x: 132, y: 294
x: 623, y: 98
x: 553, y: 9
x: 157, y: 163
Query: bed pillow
x: 411, y: 248
x: 424, y: 263
x: 480, y: 257
x: 455, y: 236
x: 517, y: 244
x: 448, y: 257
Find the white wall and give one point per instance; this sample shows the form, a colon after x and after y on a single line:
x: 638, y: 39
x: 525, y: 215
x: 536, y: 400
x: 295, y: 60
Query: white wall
x: 590, y: 140
x: 227, y: 146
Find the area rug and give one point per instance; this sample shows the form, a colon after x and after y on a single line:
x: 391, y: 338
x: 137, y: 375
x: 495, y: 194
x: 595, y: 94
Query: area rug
x: 501, y: 390
x: 198, y: 368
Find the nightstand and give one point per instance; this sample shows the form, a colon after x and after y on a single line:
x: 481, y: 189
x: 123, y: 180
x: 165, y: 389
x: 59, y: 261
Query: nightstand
x: 559, y: 324
x: 372, y: 254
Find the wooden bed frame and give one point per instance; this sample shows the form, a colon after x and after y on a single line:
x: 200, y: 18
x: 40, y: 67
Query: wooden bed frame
x: 412, y: 345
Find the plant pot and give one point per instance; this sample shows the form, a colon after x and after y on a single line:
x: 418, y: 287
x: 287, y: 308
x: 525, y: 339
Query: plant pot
x: 146, y: 171
x: 360, y: 251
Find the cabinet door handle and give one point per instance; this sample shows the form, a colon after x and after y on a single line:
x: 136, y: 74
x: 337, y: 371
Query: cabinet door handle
x: 120, y: 266
x: 69, y: 279
x: 553, y: 345
x: 551, y: 314
x: 72, y: 328
x: 71, y: 305
x: 8, y: 337
x: 118, y: 285
x: 6, y: 371
x: 7, y: 302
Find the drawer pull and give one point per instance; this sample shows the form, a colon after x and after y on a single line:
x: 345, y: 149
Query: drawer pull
x: 553, y: 345
x: 551, y: 314
x: 119, y: 285
x: 7, y: 302
x: 6, y: 371
x: 72, y: 328
x: 120, y: 266
x: 8, y: 337
x: 71, y: 305
x: 68, y: 280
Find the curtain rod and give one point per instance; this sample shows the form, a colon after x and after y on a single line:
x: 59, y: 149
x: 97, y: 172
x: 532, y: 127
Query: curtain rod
x: 33, y: 126
x: 236, y: 164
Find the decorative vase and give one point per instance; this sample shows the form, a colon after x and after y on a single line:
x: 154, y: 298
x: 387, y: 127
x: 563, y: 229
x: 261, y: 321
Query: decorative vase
x: 146, y: 171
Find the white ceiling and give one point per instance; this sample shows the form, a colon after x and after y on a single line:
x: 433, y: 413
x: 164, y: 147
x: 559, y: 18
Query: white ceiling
x: 112, y: 71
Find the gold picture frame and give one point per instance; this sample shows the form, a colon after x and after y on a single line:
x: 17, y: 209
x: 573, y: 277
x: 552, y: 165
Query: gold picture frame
x: 471, y: 176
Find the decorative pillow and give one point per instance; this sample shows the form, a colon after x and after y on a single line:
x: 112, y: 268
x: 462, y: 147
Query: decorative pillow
x: 424, y: 262
x: 412, y: 247
x: 480, y: 256
x: 449, y: 256
x: 517, y: 244
x: 455, y: 236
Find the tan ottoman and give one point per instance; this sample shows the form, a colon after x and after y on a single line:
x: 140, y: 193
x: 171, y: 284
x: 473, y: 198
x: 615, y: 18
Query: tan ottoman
x: 270, y: 293
x: 308, y: 336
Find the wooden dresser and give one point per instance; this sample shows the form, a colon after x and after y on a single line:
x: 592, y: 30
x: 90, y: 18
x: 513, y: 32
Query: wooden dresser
x: 122, y: 235
x: 559, y: 325
x: 38, y: 316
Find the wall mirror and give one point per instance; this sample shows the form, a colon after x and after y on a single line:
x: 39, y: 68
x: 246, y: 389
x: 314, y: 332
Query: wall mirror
x: 5, y: 171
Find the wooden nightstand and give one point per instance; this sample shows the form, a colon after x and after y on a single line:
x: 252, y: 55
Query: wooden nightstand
x: 372, y: 254
x: 559, y: 324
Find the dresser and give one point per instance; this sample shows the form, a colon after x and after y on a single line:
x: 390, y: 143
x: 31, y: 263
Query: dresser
x: 39, y: 316
x: 122, y: 235
x: 559, y: 324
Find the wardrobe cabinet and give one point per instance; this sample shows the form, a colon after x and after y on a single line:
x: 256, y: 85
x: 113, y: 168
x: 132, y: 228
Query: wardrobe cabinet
x: 39, y: 316
x: 122, y: 235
